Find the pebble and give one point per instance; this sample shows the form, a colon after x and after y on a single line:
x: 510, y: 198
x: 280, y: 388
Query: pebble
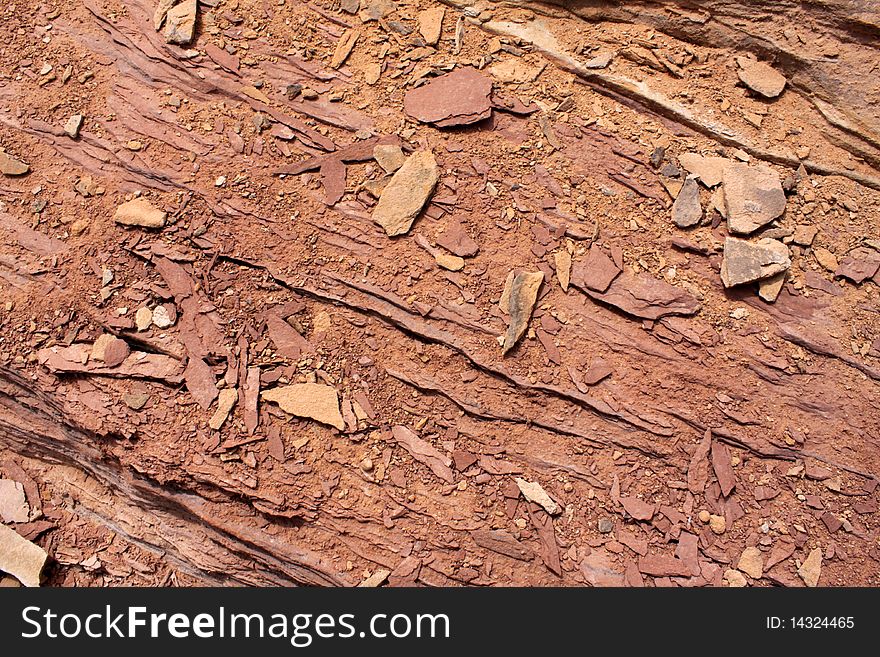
x: 735, y: 579
x: 143, y: 318
x: 136, y: 400
x: 704, y: 516
x: 180, y: 23
x: 717, y: 524
x: 825, y: 258
x: 79, y: 227
x: 9, y: 166
x: 164, y: 316
x: 606, y: 526
x: 140, y: 212
x: 73, y: 126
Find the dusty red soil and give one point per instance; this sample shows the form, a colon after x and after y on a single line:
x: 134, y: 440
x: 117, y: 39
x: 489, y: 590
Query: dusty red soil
x: 123, y: 491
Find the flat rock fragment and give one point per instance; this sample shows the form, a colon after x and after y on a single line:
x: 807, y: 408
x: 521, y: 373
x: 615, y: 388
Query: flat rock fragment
x: 638, y: 509
x: 460, y: 97
x: 406, y: 193
x: 804, y: 235
x: 723, y: 468
x: 502, y: 542
x: 747, y: 262
x: 21, y: 558
x: 811, y: 569
x: 644, y: 296
x: 333, y: 174
x: 753, y: 197
x: 663, y: 565
x: 760, y: 77
x: 597, y: 272
x: 456, y: 240
x: 520, y: 304
x: 687, y: 211
x: 140, y: 212
x: 562, y: 260
x: 376, y: 579
x: 200, y: 382
x: 600, y: 60
x: 443, y: 259
x: 769, y: 288
x: 162, y: 7
x: 389, y: 156
x: 137, y: 365
x: 735, y: 579
x: 708, y: 169
x: 598, y: 569
x: 859, y: 265
x: 115, y: 352
x: 424, y: 452
x: 534, y: 492
x: 223, y: 59
x: 310, y: 400
x: 287, y: 340
x: 225, y: 402
x: 826, y: 258
x: 597, y: 371
x: 782, y: 550
x: 698, y: 469
x: 9, y: 166
x: 431, y: 24
x: 13, y: 503
x: 344, y: 47
x: 250, y: 400
x: 514, y: 71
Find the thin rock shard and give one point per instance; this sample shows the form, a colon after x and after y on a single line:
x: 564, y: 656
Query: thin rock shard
x: 424, y: 452
x: 521, y: 303
x: 406, y: 193
x: 311, y: 400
